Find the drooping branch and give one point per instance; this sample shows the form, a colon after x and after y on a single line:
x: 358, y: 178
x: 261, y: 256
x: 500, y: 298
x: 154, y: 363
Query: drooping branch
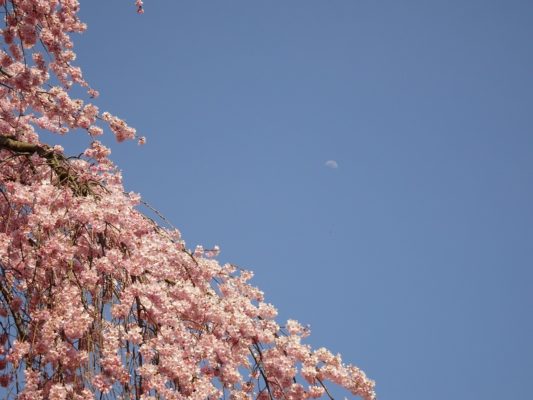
x: 56, y: 161
x: 19, y: 323
x: 96, y: 299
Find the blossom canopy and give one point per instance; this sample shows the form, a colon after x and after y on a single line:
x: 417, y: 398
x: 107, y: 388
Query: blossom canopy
x: 96, y: 299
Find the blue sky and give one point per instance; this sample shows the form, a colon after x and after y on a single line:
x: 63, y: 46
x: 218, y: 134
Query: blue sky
x: 414, y: 257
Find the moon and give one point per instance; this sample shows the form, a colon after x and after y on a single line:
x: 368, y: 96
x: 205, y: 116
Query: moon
x: 331, y: 164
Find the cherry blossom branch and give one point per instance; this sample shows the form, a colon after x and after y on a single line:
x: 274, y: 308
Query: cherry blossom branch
x: 16, y: 316
x: 58, y: 162
x: 96, y: 299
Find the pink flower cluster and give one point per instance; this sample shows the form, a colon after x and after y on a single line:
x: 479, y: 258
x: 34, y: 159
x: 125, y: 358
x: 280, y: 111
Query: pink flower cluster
x: 121, y: 130
x: 116, y: 303
x: 139, y: 5
x: 97, y: 300
x: 38, y: 55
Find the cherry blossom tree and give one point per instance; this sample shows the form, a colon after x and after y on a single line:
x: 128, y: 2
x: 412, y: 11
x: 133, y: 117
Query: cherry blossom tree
x: 96, y: 299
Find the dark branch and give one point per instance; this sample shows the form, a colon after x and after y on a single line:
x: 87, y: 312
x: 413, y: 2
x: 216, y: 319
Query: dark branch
x: 56, y: 161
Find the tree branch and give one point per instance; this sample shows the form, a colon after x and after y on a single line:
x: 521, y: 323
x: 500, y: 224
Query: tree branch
x: 56, y: 161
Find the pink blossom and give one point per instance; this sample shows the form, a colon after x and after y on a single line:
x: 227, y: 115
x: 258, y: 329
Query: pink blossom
x: 139, y: 5
x: 99, y: 298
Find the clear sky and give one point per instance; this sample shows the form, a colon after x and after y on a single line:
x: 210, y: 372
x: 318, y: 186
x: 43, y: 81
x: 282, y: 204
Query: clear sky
x: 413, y: 258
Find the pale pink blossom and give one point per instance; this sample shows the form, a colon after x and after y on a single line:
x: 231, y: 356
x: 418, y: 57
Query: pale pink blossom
x: 100, y: 300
